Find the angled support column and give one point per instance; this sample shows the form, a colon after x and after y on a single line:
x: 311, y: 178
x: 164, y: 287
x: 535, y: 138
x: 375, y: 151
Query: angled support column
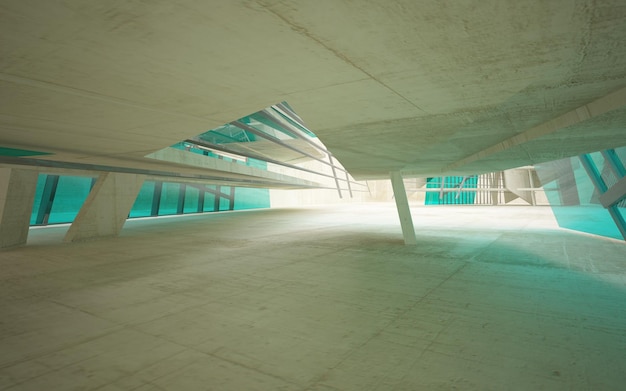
x: 17, y: 192
x: 614, y: 194
x: 495, y: 184
x: 332, y: 165
x: 106, y: 208
x: 402, y: 203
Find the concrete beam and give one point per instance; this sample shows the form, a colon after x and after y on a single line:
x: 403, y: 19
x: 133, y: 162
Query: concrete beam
x: 17, y: 191
x: 614, y: 194
x: 404, y: 212
x: 607, y: 103
x: 106, y: 208
x: 516, y: 179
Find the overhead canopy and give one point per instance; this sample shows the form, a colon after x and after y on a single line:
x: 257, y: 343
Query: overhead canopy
x: 425, y: 87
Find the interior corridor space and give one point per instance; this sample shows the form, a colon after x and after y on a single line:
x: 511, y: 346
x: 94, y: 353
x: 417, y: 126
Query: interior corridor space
x: 322, y: 298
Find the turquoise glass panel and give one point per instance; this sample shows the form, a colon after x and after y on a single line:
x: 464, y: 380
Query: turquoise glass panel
x: 250, y: 135
x: 209, y: 201
x: 191, y: 200
x: 70, y: 195
x: 246, y: 198
x: 586, y: 218
x: 143, y: 204
x: 169, y: 199
x: 41, y: 182
x: 4, y: 151
x: 573, y: 197
x: 224, y: 202
x: 451, y: 197
x: 72, y: 191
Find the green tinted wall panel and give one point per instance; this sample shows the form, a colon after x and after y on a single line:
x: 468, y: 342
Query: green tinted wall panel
x: 451, y: 197
x: 191, y: 200
x: 169, y: 199
x: 20, y: 152
x: 41, y: 182
x: 209, y: 201
x: 591, y: 219
x: 573, y: 197
x: 143, y: 204
x: 224, y: 202
x: 246, y: 198
x: 71, y: 193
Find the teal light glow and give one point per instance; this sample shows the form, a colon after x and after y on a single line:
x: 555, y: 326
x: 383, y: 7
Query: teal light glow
x: 451, y: 197
x: 20, y: 152
x: 64, y: 203
x: 573, y: 197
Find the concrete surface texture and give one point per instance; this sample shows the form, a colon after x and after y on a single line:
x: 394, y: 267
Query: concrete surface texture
x: 107, y: 207
x: 17, y: 191
x: 421, y: 87
x: 490, y: 298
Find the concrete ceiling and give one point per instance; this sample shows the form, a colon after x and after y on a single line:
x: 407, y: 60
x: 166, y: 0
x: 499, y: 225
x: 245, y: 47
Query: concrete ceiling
x: 426, y: 87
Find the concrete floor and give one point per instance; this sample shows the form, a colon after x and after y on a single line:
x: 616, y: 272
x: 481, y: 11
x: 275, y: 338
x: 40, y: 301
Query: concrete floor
x: 491, y: 298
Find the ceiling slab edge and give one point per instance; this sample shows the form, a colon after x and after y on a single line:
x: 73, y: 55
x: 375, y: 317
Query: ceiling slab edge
x: 73, y: 168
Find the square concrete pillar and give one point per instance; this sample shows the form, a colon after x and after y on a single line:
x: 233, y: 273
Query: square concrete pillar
x: 106, y: 208
x: 404, y: 212
x: 17, y: 192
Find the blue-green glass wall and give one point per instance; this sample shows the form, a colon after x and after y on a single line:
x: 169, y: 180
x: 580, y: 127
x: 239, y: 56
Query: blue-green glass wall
x: 169, y: 199
x: 209, y: 199
x: 154, y: 199
x: 143, y: 202
x: 196, y: 198
x: 70, y: 194
x: 573, y: 197
x: 451, y: 197
x: 225, y: 202
x: 191, y: 200
x: 41, y: 181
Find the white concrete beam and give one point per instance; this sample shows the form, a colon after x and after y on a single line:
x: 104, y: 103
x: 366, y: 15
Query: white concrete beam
x: 614, y: 194
x: 106, y: 208
x: 17, y: 191
x: 607, y: 103
x: 516, y: 179
x: 404, y: 212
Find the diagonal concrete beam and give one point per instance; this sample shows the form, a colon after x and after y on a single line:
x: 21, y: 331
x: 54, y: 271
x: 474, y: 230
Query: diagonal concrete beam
x: 614, y: 194
x: 106, y: 208
x: 600, y: 106
x: 17, y: 192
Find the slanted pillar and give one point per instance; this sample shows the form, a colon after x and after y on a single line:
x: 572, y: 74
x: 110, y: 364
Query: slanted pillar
x: 17, y: 192
x: 402, y: 203
x: 106, y: 208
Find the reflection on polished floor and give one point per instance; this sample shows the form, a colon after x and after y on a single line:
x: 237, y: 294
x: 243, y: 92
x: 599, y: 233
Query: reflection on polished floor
x: 491, y: 298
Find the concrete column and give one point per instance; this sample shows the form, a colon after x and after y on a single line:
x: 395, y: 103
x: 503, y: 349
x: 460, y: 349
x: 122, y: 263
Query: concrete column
x: 516, y: 179
x: 495, y: 183
x: 106, y: 208
x: 17, y: 191
x: 402, y: 203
